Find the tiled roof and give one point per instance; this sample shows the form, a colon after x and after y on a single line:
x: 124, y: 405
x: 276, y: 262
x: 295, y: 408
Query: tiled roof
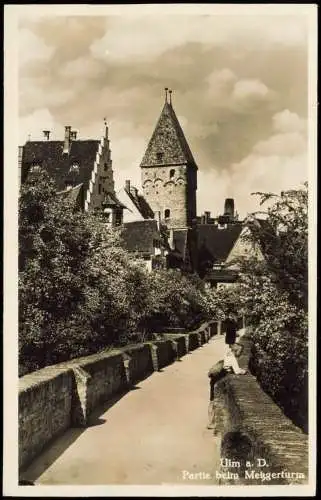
x: 138, y: 236
x: 218, y: 242
x: 168, y: 145
x: 75, y: 195
x: 141, y: 204
x: 49, y: 155
x: 111, y: 200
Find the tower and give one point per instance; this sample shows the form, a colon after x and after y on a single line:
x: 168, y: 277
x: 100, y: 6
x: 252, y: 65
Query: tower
x: 169, y: 171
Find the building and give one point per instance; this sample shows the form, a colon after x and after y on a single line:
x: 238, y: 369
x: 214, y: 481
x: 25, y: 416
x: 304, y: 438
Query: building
x: 159, y: 225
x: 138, y: 208
x: 146, y: 242
x: 169, y: 171
x: 222, y: 241
x: 79, y: 166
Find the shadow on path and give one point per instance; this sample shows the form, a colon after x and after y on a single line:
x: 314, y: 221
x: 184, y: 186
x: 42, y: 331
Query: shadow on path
x: 60, y: 444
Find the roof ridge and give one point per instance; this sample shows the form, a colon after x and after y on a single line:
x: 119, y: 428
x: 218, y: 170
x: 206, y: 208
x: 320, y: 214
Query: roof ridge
x: 168, y: 144
x: 181, y: 135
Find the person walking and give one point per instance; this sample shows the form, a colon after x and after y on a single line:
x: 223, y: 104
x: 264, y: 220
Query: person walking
x: 230, y: 330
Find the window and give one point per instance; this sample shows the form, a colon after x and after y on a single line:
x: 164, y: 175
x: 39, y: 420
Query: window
x: 156, y: 243
x: 159, y: 155
x: 34, y: 168
x: 118, y: 217
x: 105, y: 166
x: 99, y: 188
x: 171, y: 173
x: 167, y: 213
x: 107, y: 214
x: 74, y: 168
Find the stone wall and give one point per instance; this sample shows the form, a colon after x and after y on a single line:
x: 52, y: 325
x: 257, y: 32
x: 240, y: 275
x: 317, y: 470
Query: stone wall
x: 260, y: 445
x: 61, y: 396
x: 45, y: 402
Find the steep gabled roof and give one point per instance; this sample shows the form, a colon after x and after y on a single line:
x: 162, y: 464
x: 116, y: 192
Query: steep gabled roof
x: 218, y: 242
x: 75, y: 195
x: 141, y: 204
x: 49, y: 155
x: 168, y: 145
x: 111, y: 200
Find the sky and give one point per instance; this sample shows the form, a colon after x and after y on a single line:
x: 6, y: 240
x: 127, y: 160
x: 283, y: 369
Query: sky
x: 239, y: 90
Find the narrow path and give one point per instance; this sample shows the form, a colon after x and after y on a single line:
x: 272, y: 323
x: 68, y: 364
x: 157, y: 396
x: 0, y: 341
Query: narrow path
x: 150, y: 436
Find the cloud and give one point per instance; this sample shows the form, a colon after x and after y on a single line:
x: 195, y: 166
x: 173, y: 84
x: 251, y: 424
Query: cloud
x: 274, y: 164
x: 33, y: 124
x: 151, y: 36
x: 82, y: 67
x: 287, y: 144
x: 286, y: 121
x: 239, y: 82
x: 248, y: 89
x: 32, y: 47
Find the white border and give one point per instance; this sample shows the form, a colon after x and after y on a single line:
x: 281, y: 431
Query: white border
x: 10, y: 472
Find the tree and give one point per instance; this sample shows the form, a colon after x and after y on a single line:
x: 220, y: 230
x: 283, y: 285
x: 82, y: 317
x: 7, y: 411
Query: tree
x: 283, y: 237
x: 78, y: 288
x: 273, y: 295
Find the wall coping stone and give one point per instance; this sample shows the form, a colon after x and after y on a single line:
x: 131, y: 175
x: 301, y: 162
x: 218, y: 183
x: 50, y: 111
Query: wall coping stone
x: 245, y: 411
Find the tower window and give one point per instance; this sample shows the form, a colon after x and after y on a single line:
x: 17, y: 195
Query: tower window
x: 171, y: 173
x: 167, y: 213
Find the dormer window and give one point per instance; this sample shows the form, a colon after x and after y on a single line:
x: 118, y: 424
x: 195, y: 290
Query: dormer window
x: 35, y: 167
x: 74, y: 168
x: 159, y: 155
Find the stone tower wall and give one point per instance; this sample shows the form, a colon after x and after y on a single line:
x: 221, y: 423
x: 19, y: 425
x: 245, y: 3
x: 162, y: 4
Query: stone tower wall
x: 170, y: 188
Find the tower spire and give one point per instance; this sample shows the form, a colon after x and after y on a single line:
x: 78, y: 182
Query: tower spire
x: 166, y: 90
x: 170, y: 97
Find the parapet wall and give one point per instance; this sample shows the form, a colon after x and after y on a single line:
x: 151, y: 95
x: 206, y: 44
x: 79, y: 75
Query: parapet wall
x: 255, y: 431
x: 61, y: 396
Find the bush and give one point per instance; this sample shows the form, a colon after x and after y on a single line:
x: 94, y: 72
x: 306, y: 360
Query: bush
x: 80, y: 291
x: 272, y: 294
x: 176, y: 300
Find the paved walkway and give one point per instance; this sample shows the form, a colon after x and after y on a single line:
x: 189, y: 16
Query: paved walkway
x: 151, y: 435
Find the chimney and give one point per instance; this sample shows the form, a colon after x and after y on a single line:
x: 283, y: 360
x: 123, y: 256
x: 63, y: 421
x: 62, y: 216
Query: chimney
x: 133, y: 191
x: 171, y: 239
x: 207, y: 217
x: 67, y: 140
x: 158, y: 219
x: 127, y: 186
x: 229, y: 207
x: 46, y: 134
x: 203, y: 219
x: 73, y: 135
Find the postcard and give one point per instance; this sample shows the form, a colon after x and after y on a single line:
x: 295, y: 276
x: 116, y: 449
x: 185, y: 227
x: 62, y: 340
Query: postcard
x: 160, y: 250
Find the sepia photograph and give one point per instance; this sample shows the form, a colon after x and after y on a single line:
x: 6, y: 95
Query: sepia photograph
x: 160, y: 250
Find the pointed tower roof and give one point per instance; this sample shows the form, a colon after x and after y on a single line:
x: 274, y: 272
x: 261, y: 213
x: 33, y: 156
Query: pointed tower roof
x: 168, y: 145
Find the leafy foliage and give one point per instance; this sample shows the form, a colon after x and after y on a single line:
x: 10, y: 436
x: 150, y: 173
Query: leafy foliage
x: 80, y: 291
x: 272, y: 294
